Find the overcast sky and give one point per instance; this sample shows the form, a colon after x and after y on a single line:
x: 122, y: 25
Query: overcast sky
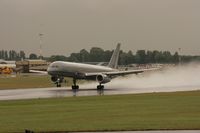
x: 71, y: 25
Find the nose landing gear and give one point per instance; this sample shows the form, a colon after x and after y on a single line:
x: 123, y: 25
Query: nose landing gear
x: 58, y: 82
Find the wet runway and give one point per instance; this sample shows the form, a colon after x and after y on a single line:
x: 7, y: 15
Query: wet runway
x: 84, y: 91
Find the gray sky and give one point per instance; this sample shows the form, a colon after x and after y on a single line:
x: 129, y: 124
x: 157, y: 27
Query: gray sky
x: 70, y: 25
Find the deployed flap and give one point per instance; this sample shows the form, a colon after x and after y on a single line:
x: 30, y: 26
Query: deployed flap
x: 115, y: 56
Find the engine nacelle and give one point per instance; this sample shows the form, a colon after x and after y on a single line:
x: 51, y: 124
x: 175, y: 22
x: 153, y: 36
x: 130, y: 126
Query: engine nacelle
x: 57, y: 79
x: 102, y: 79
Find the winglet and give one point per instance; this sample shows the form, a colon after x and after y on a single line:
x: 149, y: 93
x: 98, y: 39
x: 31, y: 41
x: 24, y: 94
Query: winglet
x: 115, y: 56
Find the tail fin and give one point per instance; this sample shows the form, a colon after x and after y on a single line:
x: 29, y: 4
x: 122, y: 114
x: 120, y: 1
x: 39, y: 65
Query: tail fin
x: 115, y: 56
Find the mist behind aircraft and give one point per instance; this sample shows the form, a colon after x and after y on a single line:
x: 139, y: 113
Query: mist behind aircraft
x: 178, y: 78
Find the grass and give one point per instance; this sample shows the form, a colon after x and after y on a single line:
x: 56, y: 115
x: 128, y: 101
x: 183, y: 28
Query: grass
x: 179, y: 110
x: 29, y: 81
x: 21, y: 81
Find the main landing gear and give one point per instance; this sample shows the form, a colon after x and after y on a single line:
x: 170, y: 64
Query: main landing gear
x: 74, y: 87
x: 100, y: 89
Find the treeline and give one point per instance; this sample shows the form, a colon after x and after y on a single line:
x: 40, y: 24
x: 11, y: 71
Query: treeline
x: 141, y: 57
x: 12, y: 55
x: 96, y: 54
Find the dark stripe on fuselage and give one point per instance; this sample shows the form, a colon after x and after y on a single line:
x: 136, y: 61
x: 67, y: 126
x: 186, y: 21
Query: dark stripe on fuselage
x: 71, y: 74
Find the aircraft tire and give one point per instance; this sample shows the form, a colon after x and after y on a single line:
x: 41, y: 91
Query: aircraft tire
x: 75, y: 87
x: 100, y: 87
x: 58, y: 85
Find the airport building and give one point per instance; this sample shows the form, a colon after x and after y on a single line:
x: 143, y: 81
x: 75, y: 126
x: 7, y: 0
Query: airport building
x: 27, y: 65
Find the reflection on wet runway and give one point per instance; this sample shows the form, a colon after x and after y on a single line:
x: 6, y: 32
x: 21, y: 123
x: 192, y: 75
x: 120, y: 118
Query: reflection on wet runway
x: 51, y: 92
x: 85, y: 91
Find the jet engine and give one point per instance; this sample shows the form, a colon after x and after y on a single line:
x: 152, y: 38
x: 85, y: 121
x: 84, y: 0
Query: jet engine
x: 102, y: 79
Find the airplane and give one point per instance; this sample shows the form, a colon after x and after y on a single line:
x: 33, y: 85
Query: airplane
x: 78, y: 71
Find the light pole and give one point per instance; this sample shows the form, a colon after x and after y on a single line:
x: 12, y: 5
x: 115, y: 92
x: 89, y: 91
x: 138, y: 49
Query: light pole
x: 40, y: 50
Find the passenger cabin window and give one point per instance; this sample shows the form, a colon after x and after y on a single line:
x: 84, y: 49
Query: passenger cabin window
x: 54, y: 66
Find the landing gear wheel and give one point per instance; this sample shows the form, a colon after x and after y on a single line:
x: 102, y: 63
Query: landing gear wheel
x: 75, y: 87
x: 58, y: 85
x: 100, y: 89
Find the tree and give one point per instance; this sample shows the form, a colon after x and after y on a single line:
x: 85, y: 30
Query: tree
x: 6, y: 55
x: 32, y: 56
x: 140, y: 56
x: 155, y: 56
x: 130, y: 57
x: 57, y: 58
x: 122, y: 58
x: 167, y: 57
x: 107, y: 55
x: 84, y: 55
x: 126, y: 58
x: 176, y: 57
x: 3, y: 54
x: 149, y: 57
x: 0, y: 55
x: 14, y: 55
x: 22, y: 55
x: 74, y: 57
x: 159, y: 57
x: 96, y: 54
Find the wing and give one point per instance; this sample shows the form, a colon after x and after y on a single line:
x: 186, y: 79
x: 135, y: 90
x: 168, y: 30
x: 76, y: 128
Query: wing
x: 120, y: 73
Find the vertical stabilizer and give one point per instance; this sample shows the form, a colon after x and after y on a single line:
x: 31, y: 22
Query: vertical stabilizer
x: 115, y: 56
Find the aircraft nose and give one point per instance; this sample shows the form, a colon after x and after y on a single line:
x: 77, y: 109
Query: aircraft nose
x: 53, y: 68
x: 49, y: 70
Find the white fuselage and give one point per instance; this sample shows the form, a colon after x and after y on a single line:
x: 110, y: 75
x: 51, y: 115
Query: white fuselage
x: 69, y: 69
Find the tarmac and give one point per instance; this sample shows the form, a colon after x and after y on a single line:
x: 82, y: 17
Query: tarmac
x: 16, y: 94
